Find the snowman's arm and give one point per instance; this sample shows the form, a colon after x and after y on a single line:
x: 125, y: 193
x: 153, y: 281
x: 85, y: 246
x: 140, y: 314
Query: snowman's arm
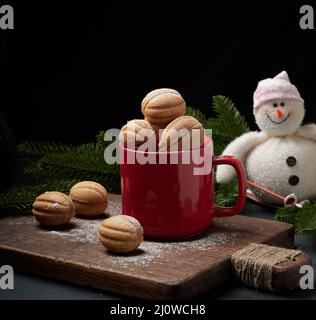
x: 307, y: 131
x: 238, y: 148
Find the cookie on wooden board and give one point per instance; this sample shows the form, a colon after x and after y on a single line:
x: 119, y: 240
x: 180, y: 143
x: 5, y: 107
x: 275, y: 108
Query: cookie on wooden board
x: 90, y: 198
x: 53, y: 209
x: 121, y: 233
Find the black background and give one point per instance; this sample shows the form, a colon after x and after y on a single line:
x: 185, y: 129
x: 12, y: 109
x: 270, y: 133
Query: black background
x: 71, y: 70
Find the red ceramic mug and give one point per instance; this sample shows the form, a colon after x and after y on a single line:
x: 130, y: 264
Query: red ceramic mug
x: 170, y: 200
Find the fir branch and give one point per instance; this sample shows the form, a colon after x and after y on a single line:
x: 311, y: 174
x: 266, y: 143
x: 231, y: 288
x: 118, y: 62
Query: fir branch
x: 226, y: 112
x: 20, y: 200
x: 226, y: 194
x: 86, y: 159
x: 83, y: 163
x: 100, y: 137
x: 304, y: 219
x: 100, y: 143
x: 110, y: 180
x: 287, y: 214
x: 37, y: 149
x: 228, y: 123
x: 197, y: 114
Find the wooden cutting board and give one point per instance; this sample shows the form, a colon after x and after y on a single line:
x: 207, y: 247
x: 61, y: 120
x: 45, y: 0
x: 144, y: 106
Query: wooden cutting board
x: 157, y: 270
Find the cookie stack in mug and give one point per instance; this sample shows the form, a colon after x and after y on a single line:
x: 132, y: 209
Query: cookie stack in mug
x: 165, y: 126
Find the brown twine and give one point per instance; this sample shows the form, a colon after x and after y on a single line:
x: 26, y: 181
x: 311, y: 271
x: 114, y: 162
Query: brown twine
x: 254, y: 264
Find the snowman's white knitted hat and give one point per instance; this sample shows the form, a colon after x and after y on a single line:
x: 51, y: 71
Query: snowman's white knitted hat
x: 278, y: 88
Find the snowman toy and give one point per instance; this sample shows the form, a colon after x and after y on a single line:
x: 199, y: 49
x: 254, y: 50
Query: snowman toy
x: 282, y: 156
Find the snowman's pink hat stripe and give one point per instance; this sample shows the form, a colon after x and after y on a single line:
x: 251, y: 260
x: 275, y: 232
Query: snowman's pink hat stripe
x: 278, y: 88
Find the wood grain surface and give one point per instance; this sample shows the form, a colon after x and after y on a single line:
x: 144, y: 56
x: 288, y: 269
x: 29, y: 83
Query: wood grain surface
x: 157, y: 270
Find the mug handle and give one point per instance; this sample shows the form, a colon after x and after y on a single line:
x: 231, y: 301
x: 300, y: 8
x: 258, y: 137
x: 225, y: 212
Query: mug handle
x: 242, y: 186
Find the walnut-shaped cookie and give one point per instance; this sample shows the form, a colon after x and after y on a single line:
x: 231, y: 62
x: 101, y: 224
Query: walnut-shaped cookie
x: 53, y: 209
x: 136, y: 132
x: 183, y: 133
x: 90, y: 198
x: 121, y: 233
x: 162, y: 106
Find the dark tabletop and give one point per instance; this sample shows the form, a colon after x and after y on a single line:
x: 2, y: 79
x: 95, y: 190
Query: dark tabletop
x: 28, y: 286
x: 33, y: 287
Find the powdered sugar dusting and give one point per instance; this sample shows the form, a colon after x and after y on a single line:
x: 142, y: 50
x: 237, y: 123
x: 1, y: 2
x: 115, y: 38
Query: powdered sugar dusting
x: 56, y: 205
x: 21, y: 220
x: 151, y: 251
x: 86, y: 231
x: 82, y: 231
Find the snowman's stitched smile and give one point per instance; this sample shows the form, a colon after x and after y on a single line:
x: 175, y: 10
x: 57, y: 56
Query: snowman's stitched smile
x: 275, y: 122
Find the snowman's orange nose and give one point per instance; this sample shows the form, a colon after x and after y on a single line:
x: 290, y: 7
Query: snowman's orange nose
x: 279, y: 113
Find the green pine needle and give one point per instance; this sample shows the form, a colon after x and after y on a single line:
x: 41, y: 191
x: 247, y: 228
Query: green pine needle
x: 228, y: 114
x: 83, y: 163
x: 36, y: 149
x: 226, y: 194
x: 228, y: 123
x: 20, y: 200
x: 303, y: 219
x: 197, y: 114
x: 287, y: 214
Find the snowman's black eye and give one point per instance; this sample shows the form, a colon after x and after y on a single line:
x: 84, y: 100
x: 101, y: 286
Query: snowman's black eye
x: 282, y: 104
x: 275, y: 105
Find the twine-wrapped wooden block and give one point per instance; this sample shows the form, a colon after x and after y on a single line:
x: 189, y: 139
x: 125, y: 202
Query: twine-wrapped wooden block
x: 269, y: 267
